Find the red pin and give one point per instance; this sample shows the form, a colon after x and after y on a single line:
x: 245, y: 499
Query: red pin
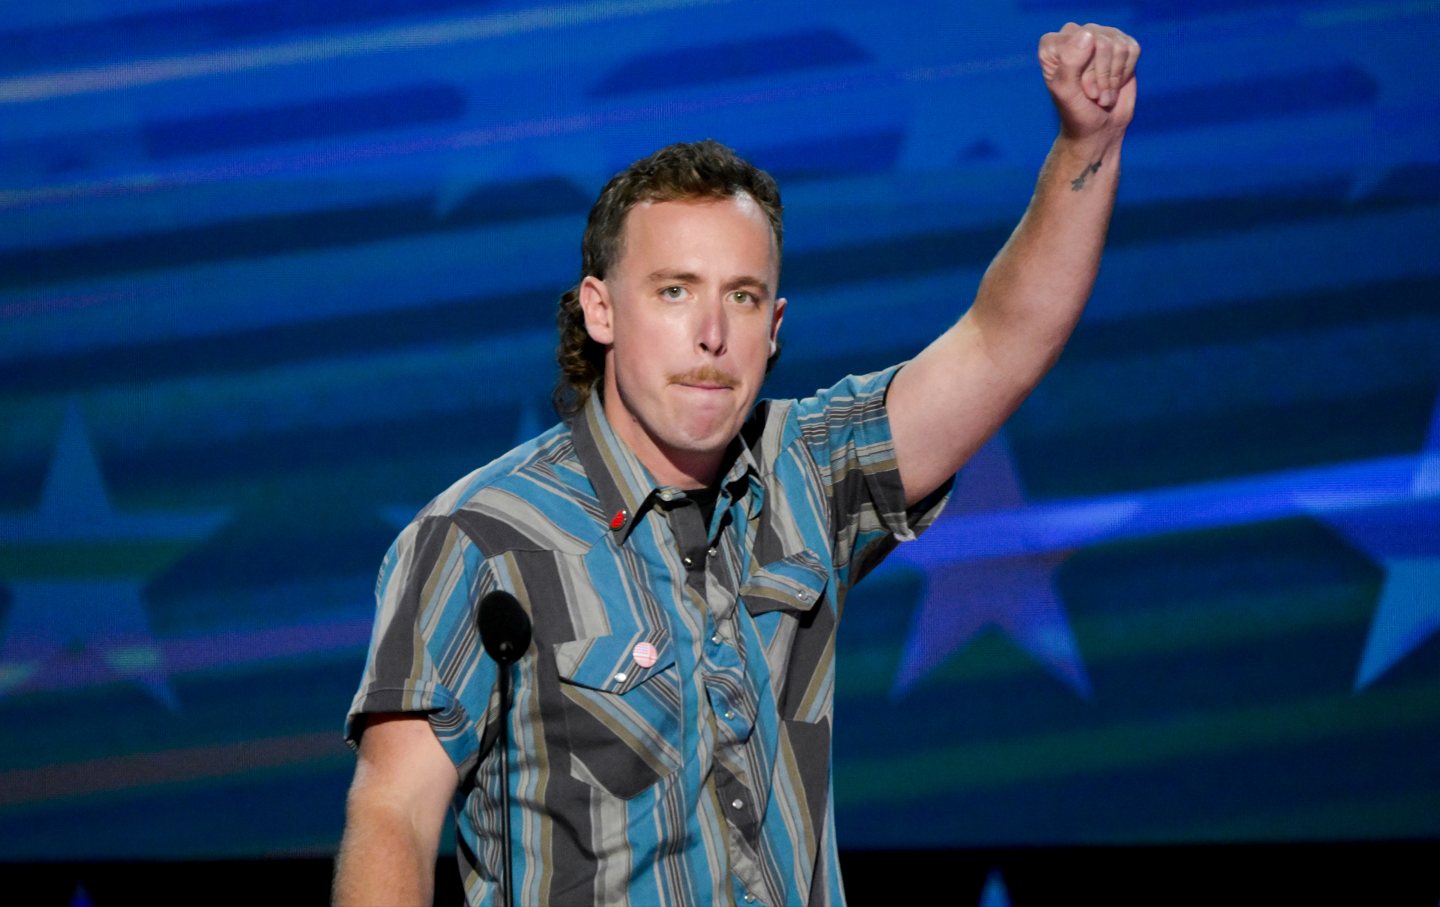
x: 618, y: 520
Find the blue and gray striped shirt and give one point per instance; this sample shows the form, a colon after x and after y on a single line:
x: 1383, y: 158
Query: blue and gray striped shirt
x: 671, y: 726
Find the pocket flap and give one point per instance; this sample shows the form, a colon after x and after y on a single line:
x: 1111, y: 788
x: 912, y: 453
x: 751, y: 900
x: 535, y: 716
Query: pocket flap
x: 614, y: 664
x: 794, y: 583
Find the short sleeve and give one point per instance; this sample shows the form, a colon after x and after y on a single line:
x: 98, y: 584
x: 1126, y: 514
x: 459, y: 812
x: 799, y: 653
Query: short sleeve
x: 847, y: 428
x: 424, y: 650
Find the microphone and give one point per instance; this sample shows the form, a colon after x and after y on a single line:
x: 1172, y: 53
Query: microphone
x: 504, y: 627
x: 505, y: 634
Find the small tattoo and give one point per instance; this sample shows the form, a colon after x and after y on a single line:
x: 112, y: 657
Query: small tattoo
x: 1078, y: 182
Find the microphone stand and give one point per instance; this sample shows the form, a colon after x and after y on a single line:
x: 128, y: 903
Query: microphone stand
x: 505, y: 776
x: 505, y: 632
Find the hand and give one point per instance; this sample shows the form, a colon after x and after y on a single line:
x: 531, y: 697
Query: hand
x: 1090, y: 71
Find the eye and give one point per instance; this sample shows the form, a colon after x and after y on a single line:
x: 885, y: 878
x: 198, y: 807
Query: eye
x: 673, y: 293
x: 744, y: 297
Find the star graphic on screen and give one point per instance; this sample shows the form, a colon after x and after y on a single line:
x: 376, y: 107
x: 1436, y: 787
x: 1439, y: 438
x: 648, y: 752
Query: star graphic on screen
x: 530, y: 424
x: 76, y: 569
x: 991, y: 565
x: 1403, y: 537
x: 994, y: 894
x: 989, y: 561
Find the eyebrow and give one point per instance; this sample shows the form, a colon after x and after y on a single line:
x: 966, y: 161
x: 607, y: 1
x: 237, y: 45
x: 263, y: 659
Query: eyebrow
x: 754, y: 283
x: 663, y: 275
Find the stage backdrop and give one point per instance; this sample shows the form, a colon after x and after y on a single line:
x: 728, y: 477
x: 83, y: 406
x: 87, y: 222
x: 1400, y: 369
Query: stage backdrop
x: 273, y: 274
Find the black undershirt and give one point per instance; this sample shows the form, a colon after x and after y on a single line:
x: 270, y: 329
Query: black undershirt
x: 705, y: 499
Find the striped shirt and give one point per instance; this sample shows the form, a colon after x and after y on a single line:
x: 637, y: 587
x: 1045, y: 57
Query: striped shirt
x: 671, y: 723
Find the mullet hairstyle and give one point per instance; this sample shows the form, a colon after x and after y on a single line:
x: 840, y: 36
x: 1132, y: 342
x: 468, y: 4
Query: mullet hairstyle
x: 683, y: 171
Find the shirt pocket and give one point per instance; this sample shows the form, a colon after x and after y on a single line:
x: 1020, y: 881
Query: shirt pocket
x: 623, y: 717
x: 794, y: 584
x: 785, y: 599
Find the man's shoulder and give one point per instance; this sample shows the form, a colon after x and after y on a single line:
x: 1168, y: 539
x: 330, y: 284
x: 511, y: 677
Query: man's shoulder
x: 769, y: 427
x: 775, y: 424
x: 532, y: 479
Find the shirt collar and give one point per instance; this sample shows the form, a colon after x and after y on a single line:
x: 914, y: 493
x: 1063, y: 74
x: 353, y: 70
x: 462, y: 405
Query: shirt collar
x: 623, y: 485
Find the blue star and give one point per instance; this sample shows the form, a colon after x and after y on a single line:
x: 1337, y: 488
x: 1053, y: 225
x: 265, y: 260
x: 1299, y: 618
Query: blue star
x: 76, y: 569
x: 992, y: 565
x: 994, y: 893
x: 989, y: 560
x: 1404, y: 538
x: 1015, y: 595
x: 1407, y: 614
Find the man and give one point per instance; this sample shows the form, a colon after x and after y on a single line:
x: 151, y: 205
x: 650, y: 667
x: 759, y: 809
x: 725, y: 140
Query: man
x: 685, y: 554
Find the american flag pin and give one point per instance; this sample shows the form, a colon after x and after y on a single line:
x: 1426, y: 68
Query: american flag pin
x: 645, y: 654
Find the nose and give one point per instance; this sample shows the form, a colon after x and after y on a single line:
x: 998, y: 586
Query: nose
x: 713, y: 327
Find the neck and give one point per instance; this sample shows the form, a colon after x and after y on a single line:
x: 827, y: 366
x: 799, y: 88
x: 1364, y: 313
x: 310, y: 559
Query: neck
x: 682, y: 469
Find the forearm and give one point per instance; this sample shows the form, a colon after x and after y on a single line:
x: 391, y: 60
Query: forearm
x: 1034, y: 291
x: 404, y: 781
x: 384, y: 859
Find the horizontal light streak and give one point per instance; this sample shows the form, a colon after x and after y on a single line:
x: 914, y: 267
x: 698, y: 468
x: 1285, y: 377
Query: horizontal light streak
x: 139, y: 771
x: 224, y: 649
x: 275, y: 161
x: 92, y: 80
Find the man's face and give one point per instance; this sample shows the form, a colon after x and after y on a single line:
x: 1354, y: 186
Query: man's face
x: 689, y: 317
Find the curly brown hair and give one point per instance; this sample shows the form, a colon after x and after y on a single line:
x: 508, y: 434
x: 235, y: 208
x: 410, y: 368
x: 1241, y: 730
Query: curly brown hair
x: 685, y: 170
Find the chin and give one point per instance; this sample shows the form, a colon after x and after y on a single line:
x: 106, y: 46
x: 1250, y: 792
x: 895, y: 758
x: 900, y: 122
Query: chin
x: 698, y: 444
x: 714, y: 433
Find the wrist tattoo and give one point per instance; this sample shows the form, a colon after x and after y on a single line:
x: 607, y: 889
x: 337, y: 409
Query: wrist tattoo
x: 1078, y: 182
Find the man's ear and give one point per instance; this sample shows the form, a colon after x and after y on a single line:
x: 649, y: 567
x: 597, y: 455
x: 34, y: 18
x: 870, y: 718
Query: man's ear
x: 775, y: 324
x: 595, y: 303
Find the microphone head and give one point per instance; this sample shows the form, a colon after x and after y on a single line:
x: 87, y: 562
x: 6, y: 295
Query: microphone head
x: 504, y: 627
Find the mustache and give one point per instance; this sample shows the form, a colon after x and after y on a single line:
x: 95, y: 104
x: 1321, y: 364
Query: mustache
x: 706, y: 374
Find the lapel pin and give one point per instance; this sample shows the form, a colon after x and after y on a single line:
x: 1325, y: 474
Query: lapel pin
x: 645, y: 654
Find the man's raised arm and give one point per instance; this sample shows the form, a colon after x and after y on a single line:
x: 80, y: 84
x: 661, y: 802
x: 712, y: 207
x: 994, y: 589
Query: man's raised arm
x: 952, y: 397
x: 402, y: 789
